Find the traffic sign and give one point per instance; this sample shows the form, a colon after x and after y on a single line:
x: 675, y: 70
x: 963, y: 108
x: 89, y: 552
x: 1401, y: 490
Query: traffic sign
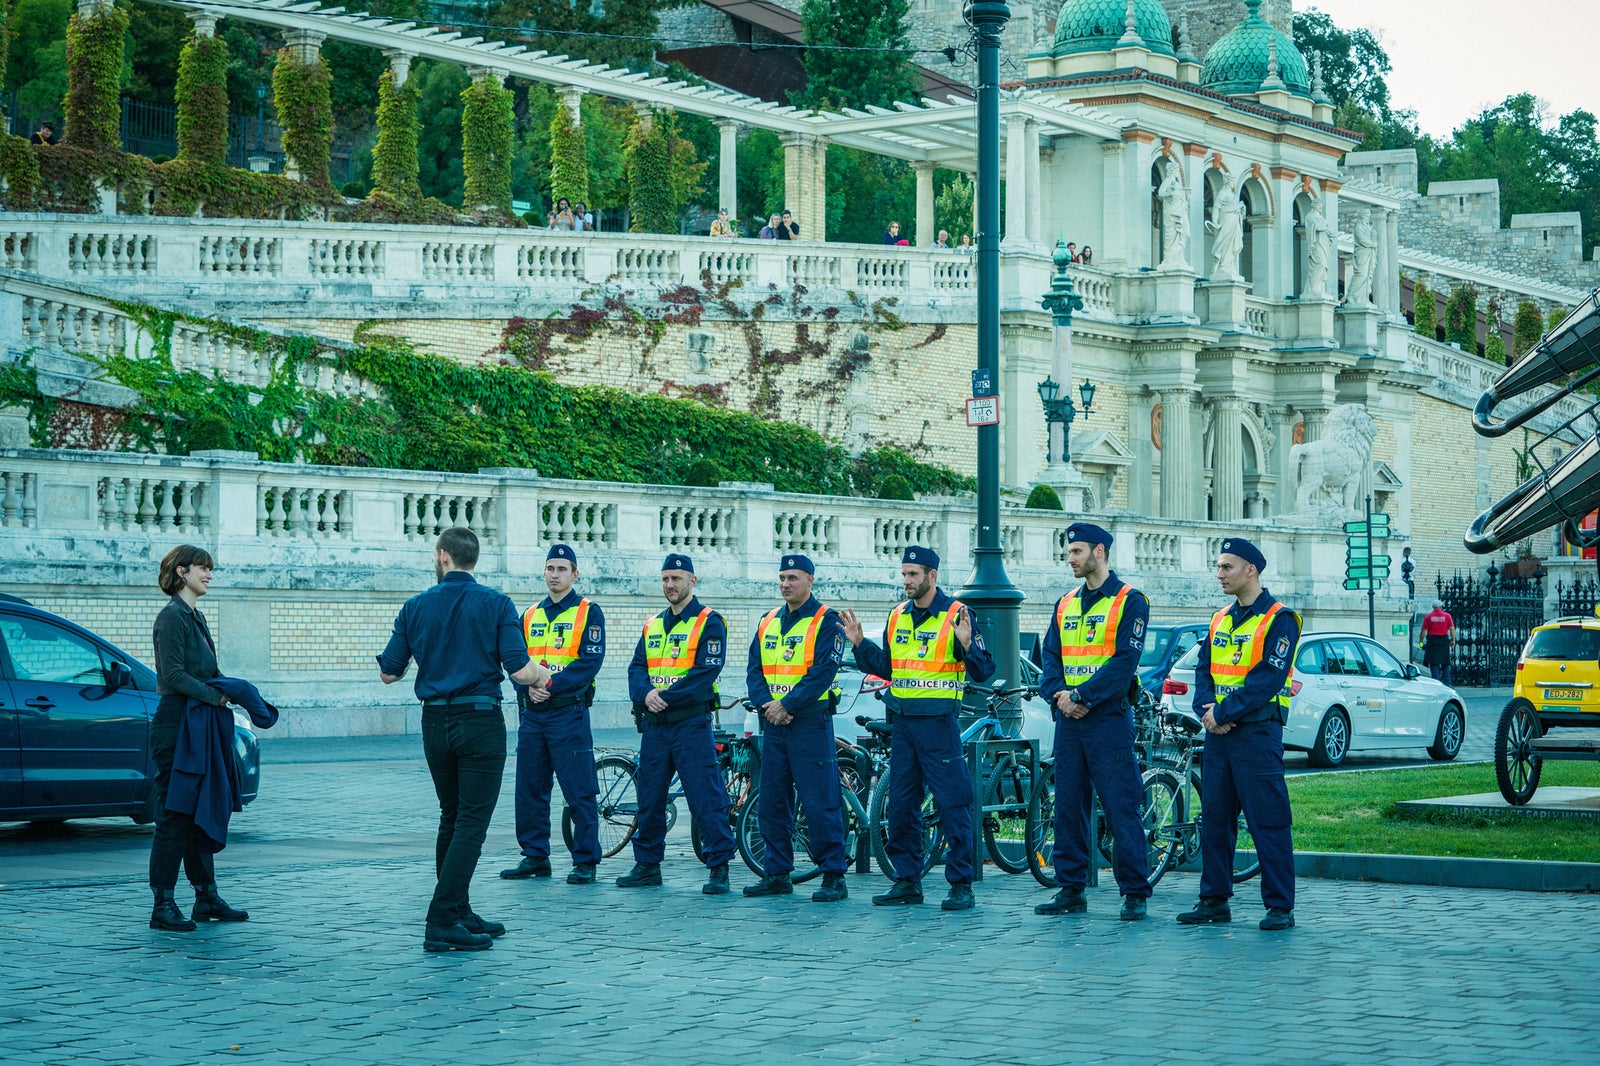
x: 1379, y: 526
x: 982, y: 382
x: 983, y: 411
x: 1362, y: 584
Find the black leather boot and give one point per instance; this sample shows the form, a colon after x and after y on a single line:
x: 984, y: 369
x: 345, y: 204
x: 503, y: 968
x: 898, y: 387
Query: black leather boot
x: 209, y: 906
x: 166, y: 915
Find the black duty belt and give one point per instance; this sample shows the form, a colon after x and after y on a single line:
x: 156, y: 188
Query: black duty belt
x: 475, y: 703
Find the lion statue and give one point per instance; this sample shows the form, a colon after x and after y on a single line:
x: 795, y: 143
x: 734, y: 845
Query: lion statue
x: 1329, y: 470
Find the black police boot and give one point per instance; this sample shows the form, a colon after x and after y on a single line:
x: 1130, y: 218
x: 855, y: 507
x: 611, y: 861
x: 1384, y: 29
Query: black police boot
x: 209, y: 906
x: 832, y: 890
x: 902, y: 892
x: 1277, y: 918
x: 1066, y: 901
x: 582, y: 874
x: 527, y: 868
x: 643, y: 875
x: 482, y: 926
x: 166, y: 916
x: 1209, y: 909
x: 717, y: 883
x: 776, y: 885
x: 959, y: 899
x: 455, y: 937
x: 1134, y: 908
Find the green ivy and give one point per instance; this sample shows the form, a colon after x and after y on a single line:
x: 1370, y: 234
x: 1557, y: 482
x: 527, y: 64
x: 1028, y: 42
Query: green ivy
x: 1461, y: 317
x: 202, y: 97
x: 184, y: 186
x: 94, y: 73
x: 648, y: 157
x: 71, y: 176
x: 487, y: 126
x: 394, y: 159
x: 19, y: 168
x: 1426, y: 313
x: 1527, y: 327
x: 5, y: 40
x: 569, y: 165
x: 302, y: 98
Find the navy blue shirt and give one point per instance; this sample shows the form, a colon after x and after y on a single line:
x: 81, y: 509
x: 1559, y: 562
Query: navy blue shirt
x: 696, y: 686
x: 1251, y: 701
x: 462, y: 634
x: 1110, y: 684
x: 874, y: 659
x: 808, y: 698
x: 576, y: 677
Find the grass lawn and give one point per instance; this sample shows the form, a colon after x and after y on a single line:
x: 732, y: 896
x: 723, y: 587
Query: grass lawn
x: 1355, y: 812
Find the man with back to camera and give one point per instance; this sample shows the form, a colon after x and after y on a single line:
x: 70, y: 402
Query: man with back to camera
x: 462, y: 635
x: 1438, y: 635
x: 794, y: 657
x: 672, y: 681
x: 566, y: 634
x: 1241, y: 692
x: 1090, y: 677
x: 930, y: 647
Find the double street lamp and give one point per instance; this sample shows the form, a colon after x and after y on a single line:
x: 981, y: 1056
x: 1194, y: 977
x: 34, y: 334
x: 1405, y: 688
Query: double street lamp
x: 1061, y: 301
x: 1058, y: 408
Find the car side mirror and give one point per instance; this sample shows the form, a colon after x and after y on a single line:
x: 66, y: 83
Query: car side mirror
x: 118, y: 676
x: 1412, y: 672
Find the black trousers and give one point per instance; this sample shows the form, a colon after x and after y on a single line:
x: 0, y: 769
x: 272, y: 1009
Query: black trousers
x: 177, y: 840
x: 466, y: 752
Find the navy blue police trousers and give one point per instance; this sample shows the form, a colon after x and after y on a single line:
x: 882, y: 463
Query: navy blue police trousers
x: 1243, y: 770
x: 688, y: 749
x: 556, y: 745
x: 1094, y: 754
x: 925, y: 756
x: 799, y: 760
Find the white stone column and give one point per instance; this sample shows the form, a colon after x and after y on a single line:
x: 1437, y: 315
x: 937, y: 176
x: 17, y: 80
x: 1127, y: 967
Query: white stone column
x: 399, y: 66
x: 1178, y: 469
x: 572, y: 96
x: 1035, y: 217
x: 805, y: 182
x: 1384, y: 265
x: 925, y: 224
x: 1313, y: 417
x: 1391, y: 241
x: 205, y: 24
x: 1016, y: 231
x: 728, y: 166
x: 1112, y: 248
x: 1227, y: 460
x: 305, y: 46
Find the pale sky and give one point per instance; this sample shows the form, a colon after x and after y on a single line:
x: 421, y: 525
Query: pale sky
x: 1452, y: 59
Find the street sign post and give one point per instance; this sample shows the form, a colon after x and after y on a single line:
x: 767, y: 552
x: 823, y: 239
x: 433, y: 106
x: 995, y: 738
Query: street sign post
x: 1364, y: 569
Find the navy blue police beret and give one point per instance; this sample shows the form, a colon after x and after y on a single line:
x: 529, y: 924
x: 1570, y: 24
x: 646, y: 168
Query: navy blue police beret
x: 561, y: 551
x: 796, y: 562
x: 1089, y: 533
x: 926, y: 558
x: 1245, y: 550
x: 678, y: 562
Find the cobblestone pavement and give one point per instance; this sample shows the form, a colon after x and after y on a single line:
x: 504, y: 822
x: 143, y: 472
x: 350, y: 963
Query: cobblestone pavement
x: 334, y: 861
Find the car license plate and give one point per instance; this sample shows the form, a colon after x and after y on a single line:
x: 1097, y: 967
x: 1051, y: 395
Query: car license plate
x: 1563, y: 694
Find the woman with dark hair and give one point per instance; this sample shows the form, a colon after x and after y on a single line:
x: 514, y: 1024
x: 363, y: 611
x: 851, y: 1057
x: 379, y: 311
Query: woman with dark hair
x: 186, y: 658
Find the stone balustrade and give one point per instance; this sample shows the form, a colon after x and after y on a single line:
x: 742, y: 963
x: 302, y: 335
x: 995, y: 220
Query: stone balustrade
x: 1461, y: 377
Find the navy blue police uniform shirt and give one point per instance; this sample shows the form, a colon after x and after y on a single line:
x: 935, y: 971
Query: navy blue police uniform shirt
x: 874, y: 659
x: 461, y: 634
x: 696, y: 685
x: 575, y: 678
x: 809, y: 695
x: 1114, y: 680
x: 1251, y: 702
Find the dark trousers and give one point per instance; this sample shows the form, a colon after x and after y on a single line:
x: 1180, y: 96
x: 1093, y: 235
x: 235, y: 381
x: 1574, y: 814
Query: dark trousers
x: 1244, y: 771
x: 1437, y: 655
x: 688, y: 749
x: 799, y: 759
x: 466, y: 752
x: 925, y: 755
x: 1094, y: 754
x: 177, y: 839
x: 557, y: 745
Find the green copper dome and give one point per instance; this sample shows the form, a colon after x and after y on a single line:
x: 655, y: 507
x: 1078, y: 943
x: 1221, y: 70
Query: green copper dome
x: 1097, y: 25
x: 1238, y: 64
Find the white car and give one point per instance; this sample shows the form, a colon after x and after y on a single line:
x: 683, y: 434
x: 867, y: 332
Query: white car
x: 1351, y: 694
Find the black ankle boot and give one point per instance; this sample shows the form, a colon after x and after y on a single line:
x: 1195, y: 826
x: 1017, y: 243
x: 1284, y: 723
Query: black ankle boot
x: 209, y: 906
x: 166, y: 915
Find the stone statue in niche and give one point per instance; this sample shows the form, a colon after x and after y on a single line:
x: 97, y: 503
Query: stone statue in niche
x: 1359, y: 292
x: 1329, y: 469
x: 1174, y: 221
x: 1227, y: 226
x: 1319, y: 252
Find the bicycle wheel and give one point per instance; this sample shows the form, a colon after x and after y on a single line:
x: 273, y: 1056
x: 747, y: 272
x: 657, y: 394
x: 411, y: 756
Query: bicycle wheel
x: 753, y: 846
x: 618, y: 805
x: 1041, y: 827
x: 741, y: 771
x: 878, y: 821
x: 1246, y: 864
x: 1179, y: 838
x: 1161, y: 811
x: 1005, y: 833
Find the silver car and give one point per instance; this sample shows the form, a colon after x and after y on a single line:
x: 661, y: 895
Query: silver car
x: 1351, y: 694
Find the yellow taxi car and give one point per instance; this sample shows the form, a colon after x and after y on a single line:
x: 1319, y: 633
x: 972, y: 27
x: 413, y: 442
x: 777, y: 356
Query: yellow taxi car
x: 1558, y: 686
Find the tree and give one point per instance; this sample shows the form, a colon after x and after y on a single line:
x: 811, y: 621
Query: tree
x: 855, y: 78
x: 439, y: 88
x: 1354, y: 62
x: 37, y: 69
x: 559, y: 26
x: 952, y: 207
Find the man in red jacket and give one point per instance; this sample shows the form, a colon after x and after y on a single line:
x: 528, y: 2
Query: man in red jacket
x: 1438, y: 634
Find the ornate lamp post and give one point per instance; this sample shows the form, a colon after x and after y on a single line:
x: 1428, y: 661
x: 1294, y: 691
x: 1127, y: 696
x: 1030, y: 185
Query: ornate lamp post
x: 1058, y: 408
x: 261, y: 118
x: 1061, y: 301
x: 996, y: 602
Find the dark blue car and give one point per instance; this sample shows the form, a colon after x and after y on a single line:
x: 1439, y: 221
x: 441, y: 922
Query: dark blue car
x: 75, y: 715
x: 1163, y: 645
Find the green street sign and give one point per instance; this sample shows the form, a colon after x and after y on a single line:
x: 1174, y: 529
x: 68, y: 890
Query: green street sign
x: 1356, y: 528
x: 1380, y: 527
x: 1362, y: 584
x: 1356, y: 551
x: 1399, y: 629
x: 1380, y: 522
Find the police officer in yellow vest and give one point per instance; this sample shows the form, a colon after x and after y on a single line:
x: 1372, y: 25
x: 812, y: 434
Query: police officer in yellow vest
x: 1090, y: 677
x: 566, y: 634
x: 930, y: 647
x: 672, y: 681
x: 1242, y: 686
x: 794, y: 656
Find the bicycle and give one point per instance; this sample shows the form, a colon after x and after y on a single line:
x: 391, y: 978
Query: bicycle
x: 1009, y: 784
x: 617, y: 800
x: 1181, y: 779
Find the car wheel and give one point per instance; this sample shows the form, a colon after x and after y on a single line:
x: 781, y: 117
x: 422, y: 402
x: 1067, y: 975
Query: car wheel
x: 1333, y: 739
x: 1447, y: 738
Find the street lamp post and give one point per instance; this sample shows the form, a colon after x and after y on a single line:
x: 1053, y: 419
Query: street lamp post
x: 1058, y: 408
x: 996, y: 602
x: 261, y: 118
x: 1061, y: 301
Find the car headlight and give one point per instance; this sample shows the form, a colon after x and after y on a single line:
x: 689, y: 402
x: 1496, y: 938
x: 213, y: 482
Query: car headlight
x: 242, y: 720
